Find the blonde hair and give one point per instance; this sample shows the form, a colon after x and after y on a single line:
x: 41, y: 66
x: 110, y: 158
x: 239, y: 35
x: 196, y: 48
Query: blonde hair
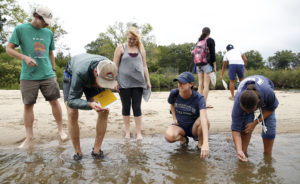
x: 135, y: 32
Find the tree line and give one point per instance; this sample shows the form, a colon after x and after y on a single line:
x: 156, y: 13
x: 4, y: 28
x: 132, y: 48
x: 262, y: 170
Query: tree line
x: 164, y: 61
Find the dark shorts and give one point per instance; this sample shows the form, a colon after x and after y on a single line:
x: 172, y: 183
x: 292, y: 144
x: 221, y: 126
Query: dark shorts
x: 270, y: 123
x: 88, y: 92
x: 188, y: 129
x: 236, y: 70
x: 30, y: 90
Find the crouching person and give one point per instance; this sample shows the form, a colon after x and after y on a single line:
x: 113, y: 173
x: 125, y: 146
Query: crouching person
x: 189, y: 114
x: 88, y: 74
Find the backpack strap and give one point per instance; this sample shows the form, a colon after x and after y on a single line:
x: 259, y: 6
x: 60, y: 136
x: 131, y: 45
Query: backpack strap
x: 175, y: 97
x: 176, y: 94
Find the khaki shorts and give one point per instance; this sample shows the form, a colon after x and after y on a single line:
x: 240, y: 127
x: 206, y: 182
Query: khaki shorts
x: 30, y: 90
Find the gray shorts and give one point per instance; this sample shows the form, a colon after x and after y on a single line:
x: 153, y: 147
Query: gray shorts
x: 30, y: 90
x: 204, y: 69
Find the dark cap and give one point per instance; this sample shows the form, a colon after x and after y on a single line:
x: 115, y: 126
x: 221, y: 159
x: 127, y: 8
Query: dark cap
x: 229, y: 47
x: 185, y: 77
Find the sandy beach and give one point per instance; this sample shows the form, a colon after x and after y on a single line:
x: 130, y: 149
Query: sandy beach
x: 156, y: 117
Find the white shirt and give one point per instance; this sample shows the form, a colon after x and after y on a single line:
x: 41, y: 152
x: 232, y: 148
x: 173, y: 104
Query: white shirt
x: 234, y: 56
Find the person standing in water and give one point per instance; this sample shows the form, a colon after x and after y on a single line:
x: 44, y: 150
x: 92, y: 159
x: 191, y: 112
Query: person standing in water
x: 254, y: 93
x: 38, y: 67
x: 87, y: 74
x: 133, y: 77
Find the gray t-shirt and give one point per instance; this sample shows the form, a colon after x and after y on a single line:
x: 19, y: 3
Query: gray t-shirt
x: 131, y: 71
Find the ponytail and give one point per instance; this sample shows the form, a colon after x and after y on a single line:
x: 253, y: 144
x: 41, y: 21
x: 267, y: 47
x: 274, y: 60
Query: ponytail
x: 205, y: 33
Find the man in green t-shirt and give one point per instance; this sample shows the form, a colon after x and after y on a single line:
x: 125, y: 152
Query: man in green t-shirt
x: 38, y: 67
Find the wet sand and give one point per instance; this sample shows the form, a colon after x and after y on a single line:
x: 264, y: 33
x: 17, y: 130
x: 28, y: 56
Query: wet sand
x: 156, y: 117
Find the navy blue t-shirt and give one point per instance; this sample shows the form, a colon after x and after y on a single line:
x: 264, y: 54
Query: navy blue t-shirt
x: 187, y: 110
x: 269, y: 102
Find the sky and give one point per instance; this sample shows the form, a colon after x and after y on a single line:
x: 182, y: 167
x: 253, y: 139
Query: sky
x: 267, y: 26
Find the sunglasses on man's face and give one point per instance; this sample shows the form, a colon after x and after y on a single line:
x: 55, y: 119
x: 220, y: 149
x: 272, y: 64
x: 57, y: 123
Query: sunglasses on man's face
x: 41, y: 18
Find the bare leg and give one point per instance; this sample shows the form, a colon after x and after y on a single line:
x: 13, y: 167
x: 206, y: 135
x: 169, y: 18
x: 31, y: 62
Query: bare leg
x: 197, y: 131
x: 245, y: 141
x: 138, y: 124
x: 28, y: 122
x: 57, y: 114
x: 206, y: 86
x: 231, y: 87
x: 268, y: 146
x: 175, y: 133
x: 200, y: 83
x: 74, y: 128
x: 126, y: 120
x: 100, y: 130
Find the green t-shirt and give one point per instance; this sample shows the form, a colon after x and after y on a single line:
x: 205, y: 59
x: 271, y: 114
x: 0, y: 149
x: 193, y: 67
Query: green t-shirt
x: 35, y: 43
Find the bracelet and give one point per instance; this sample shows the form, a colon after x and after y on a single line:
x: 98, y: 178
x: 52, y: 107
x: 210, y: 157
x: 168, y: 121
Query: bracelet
x: 54, y: 70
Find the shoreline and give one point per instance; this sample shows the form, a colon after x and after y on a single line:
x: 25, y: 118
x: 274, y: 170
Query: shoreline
x: 156, y: 117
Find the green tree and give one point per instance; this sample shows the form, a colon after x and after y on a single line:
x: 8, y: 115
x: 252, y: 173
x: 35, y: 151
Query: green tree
x: 283, y: 60
x: 106, y: 42
x: 254, y: 60
x: 219, y: 60
x: 61, y: 60
x: 175, y: 59
x: 10, y: 15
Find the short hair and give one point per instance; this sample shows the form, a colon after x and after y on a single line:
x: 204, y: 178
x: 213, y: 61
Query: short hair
x: 249, y: 99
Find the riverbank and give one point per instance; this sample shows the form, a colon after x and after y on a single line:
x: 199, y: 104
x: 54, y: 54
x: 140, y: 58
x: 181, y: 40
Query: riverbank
x: 156, y: 117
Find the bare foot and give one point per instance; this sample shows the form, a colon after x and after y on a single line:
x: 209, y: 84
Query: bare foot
x: 127, y: 136
x: 139, y: 137
x: 209, y: 106
x: 63, y: 135
x: 25, y: 142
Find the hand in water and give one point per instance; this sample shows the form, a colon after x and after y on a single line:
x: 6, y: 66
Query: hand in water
x: 204, y: 151
x: 242, y: 157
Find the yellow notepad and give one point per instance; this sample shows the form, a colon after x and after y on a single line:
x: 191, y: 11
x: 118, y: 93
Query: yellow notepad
x: 106, y: 98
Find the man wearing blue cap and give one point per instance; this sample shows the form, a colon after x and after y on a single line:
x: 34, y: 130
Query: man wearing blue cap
x: 237, y: 66
x: 189, y: 114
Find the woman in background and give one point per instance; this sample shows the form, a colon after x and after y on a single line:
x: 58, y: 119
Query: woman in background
x: 203, y: 71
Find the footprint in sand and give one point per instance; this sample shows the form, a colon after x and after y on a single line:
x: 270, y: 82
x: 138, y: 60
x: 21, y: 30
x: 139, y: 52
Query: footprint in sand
x: 150, y: 112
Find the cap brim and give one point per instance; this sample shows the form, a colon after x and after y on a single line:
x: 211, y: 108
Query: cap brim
x: 180, y: 80
x: 106, y: 84
x: 48, y: 21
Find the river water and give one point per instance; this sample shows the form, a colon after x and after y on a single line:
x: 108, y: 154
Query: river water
x: 153, y: 160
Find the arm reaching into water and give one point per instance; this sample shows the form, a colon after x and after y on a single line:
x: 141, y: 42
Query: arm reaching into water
x: 204, y: 127
x: 236, y: 136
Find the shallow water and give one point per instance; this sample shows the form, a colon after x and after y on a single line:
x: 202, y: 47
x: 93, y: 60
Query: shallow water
x: 153, y: 161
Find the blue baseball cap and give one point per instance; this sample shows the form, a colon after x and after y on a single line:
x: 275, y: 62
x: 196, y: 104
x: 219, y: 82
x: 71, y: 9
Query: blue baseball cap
x: 185, y: 77
x: 229, y: 47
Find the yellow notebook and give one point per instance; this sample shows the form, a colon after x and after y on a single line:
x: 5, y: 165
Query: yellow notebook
x: 106, y: 98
